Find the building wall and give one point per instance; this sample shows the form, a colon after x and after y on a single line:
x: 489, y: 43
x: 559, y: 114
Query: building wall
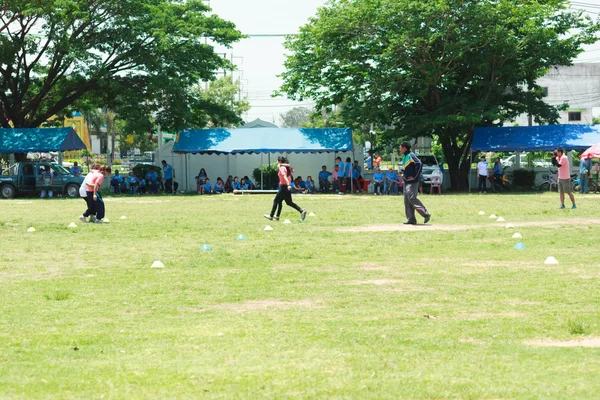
x: 578, y: 85
x: 243, y: 164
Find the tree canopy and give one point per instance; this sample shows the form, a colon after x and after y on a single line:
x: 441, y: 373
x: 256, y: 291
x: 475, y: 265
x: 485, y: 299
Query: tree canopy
x: 136, y: 56
x: 437, y: 67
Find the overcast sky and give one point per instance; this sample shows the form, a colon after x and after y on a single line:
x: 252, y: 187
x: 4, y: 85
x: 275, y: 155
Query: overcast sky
x: 260, y: 59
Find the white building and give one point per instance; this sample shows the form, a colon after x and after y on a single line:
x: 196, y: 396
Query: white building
x: 577, y: 85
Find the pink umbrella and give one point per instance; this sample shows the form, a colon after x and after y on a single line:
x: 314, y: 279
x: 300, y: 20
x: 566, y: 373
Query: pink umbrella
x: 592, y: 152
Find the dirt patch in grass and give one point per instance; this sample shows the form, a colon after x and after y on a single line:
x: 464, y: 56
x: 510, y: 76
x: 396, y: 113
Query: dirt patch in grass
x: 266, y: 304
x: 593, y: 342
x: 373, y: 266
x: 377, y: 282
x: 134, y: 201
x: 471, y: 340
x: 557, y: 224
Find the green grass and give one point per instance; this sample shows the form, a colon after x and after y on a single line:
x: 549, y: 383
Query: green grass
x: 303, y: 311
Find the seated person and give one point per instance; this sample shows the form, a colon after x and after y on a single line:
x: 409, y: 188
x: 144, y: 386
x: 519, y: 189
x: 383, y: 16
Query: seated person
x: 310, y: 185
x: 298, y: 185
x: 115, y: 183
x: 249, y: 183
x: 152, y: 182
x: 142, y: 187
x: 324, y: 184
x: 378, y: 179
x: 390, y: 182
x: 207, y: 188
x: 236, y: 184
x: 75, y: 169
x: 47, y: 180
x: 244, y: 184
x: 200, y: 180
x: 220, y: 186
x: 229, y: 184
x: 133, y: 183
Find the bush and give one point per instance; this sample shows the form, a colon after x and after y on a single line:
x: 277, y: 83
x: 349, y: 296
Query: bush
x: 141, y: 170
x: 270, y: 175
x: 117, y: 161
x: 524, y: 178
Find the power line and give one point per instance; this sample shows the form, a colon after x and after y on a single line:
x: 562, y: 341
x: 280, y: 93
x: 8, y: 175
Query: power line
x: 569, y: 89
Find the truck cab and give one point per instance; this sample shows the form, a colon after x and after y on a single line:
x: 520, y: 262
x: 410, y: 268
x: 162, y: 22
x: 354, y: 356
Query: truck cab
x: 27, y: 178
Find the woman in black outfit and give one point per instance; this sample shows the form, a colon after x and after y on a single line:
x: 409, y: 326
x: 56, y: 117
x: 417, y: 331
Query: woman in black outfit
x: 284, y: 193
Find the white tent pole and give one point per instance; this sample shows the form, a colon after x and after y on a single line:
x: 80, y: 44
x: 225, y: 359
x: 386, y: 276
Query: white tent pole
x: 262, y: 178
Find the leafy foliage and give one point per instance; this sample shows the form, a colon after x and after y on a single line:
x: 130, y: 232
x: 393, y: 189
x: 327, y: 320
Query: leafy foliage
x: 137, y: 57
x: 524, y: 178
x: 270, y: 175
x: 140, y: 170
x: 296, y: 117
x: 419, y: 68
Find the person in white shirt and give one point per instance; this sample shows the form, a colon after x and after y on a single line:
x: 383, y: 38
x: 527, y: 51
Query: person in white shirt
x: 482, y: 171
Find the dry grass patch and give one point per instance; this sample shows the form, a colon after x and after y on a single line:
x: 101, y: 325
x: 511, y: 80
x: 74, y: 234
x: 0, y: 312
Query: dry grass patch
x: 471, y: 340
x: 373, y: 266
x: 593, y: 342
x: 479, y: 315
x: 266, y: 304
x: 378, y: 282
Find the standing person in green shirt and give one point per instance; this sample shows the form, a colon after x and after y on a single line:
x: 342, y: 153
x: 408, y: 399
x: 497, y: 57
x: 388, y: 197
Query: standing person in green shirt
x: 412, y: 175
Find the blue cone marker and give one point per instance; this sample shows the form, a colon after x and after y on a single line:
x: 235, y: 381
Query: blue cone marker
x: 206, y: 247
x: 519, y: 246
x: 241, y: 237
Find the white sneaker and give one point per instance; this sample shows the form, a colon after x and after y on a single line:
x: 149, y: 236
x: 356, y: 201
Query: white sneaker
x: 82, y: 219
x: 99, y: 221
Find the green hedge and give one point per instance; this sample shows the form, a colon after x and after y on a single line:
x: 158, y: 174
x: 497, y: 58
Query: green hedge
x: 524, y: 178
x: 270, y: 175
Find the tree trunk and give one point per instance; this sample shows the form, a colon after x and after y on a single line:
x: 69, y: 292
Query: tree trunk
x: 458, y: 156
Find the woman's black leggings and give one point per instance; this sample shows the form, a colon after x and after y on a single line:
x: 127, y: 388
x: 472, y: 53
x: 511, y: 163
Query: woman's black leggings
x: 284, y: 194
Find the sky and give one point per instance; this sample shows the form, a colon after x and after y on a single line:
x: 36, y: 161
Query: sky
x: 260, y: 59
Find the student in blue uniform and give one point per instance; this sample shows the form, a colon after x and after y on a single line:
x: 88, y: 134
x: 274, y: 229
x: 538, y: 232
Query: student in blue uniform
x: 236, y: 184
x: 219, y: 187
x: 324, y: 184
x: 310, y: 185
x: 378, y: 179
x: 207, y: 188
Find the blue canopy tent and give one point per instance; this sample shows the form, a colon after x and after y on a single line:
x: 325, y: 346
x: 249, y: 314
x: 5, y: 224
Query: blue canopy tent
x: 536, y: 138
x: 264, y: 140
x: 25, y: 140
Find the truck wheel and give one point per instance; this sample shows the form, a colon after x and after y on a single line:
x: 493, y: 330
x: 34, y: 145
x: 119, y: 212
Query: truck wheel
x: 8, y: 191
x: 72, y: 191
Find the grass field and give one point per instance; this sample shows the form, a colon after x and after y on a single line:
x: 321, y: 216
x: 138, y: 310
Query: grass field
x: 330, y: 308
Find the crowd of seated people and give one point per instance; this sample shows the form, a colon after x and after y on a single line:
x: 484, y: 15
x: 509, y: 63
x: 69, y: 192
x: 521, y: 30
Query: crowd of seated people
x: 131, y: 184
x: 346, y: 177
x: 204, y: 185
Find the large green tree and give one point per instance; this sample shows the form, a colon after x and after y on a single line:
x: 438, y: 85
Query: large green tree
x: 434, y: 67
x: 141, y: 54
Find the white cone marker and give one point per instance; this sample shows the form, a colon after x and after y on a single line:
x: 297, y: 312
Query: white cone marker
x: 32, y: 229
x: 493, y: 216
x: 106, y: 220
x: 551, y: 261
x: 311, y: 214
x: 268, y: 228
x: 517, y: 235
x: 157, y: 264
x: 509, y: 226
x: 500, y: 219
x: 72, y: 225
x: 287, y: 221
x: 123, y: 217
x: 481, y: 212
